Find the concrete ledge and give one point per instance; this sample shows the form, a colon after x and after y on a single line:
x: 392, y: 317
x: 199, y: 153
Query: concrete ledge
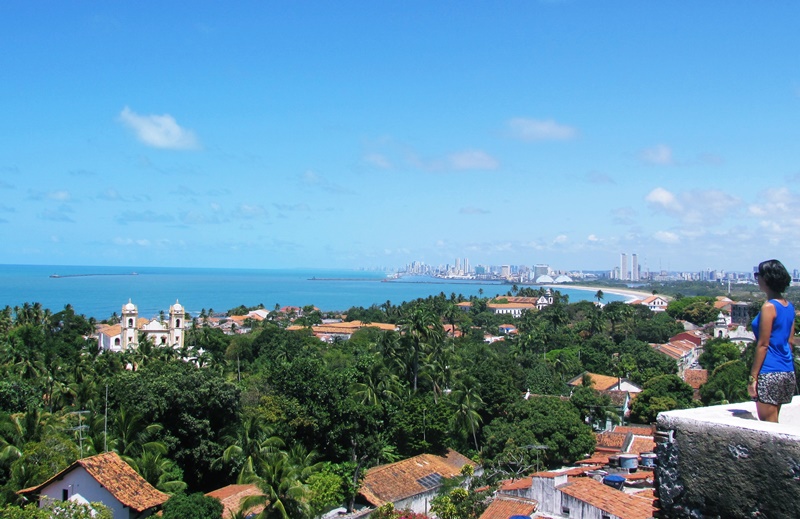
x: 721, y: 461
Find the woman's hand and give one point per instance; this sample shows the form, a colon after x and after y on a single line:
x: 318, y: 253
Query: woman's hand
x: 752, y: 390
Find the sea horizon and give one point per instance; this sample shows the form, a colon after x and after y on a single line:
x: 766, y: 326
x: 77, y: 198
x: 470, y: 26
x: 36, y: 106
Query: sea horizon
x: 100, y: 291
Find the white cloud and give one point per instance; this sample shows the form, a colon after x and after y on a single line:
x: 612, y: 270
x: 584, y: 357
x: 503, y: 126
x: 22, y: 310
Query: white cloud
x: 593, y: 238
x: 663, y: 199
x: 659, y: 155
x: 61, y: 196
x: 472, y: 159
x: 707, y: 207
x: 378, y: 160
x: 159, y: 131
x: 667, y: 237
x: 540, y: 130
x: 561, y: 239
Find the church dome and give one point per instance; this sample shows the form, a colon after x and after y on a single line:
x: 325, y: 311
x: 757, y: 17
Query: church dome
x: 129, y: 307
x: 177, y: 307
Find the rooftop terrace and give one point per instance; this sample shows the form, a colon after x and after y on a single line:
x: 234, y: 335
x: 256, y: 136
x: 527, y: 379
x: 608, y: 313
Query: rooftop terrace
x: 720, y: 461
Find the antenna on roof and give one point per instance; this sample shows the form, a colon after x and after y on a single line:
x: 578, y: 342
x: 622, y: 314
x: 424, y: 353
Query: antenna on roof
x: 79, y: 428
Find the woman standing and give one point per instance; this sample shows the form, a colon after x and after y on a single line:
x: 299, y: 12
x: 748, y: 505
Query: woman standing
x: 772, y: 379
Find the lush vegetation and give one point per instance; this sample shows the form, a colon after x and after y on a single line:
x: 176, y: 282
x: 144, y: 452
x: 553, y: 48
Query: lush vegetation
x: 304, y: 419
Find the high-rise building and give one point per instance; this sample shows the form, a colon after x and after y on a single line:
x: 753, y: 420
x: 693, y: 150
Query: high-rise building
x: 540, y: 270
x: 634, y: 267
x: 623, y: 266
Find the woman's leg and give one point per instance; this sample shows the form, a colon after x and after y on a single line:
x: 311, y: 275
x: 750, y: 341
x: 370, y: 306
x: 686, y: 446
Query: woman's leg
x: 768, y: 412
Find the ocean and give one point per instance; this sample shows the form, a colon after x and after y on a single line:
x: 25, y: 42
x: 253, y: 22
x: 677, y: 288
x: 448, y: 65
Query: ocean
x: 100, y: 291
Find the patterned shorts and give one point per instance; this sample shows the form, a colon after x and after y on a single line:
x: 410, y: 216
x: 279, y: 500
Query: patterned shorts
x: 776, y: 388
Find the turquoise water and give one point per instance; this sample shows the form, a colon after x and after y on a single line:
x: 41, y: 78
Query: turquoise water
x: 100, y: 291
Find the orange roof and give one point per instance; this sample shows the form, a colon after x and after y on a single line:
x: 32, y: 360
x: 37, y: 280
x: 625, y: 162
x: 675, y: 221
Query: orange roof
x: 639, y: 430
x: 694, y: 336
x: 108, y: 469
x: 409, y: 477
x: 231, y: 498
x: 504, y: 507
x: 516, y: 484
x: 110, y: 330
x: 642, y: 444
x: 600, y: 382
x: 609, y: 439
x: 695, y: 377
x: 610, y: 500
x: 599, y: 459
x: 511, y: 304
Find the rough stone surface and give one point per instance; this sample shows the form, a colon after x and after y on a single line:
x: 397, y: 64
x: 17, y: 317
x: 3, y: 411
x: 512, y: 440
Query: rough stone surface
x: 722, y: 462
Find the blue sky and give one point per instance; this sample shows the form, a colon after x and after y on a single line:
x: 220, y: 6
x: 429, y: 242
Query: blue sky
x: 349, y: 134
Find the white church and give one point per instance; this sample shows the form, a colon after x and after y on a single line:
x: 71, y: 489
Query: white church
x: 125, y: 335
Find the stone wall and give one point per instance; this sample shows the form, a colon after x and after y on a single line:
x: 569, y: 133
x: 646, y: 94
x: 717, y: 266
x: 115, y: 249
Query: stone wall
x: 722, y: 462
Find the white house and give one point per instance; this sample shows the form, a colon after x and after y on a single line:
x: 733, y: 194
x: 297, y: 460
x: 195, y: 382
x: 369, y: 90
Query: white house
x: 106, y: 479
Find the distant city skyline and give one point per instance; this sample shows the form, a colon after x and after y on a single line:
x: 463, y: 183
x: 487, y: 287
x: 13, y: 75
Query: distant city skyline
x: 351, y: 134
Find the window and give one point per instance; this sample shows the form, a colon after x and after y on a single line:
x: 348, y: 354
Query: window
x: 130, y: 323
x: 177, y: 323
x: 64, y: 494
x: 116, y: 341
x: 565, y: 511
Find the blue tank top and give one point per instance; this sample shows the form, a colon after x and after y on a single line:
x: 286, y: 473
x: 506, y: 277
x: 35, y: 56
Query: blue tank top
x: 779, y: 354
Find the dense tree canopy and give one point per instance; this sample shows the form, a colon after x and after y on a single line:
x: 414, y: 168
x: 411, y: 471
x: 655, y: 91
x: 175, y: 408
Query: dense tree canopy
x: 304, y: 419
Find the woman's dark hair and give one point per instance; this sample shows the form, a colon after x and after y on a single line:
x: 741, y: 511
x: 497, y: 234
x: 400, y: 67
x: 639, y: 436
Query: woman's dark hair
x: 775, y: 275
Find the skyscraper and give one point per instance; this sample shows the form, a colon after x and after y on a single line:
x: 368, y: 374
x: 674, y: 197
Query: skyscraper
x: 634, y: 267
x: 623, y: 266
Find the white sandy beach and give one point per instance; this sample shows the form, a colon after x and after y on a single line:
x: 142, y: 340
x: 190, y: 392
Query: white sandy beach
x: 626, y: 292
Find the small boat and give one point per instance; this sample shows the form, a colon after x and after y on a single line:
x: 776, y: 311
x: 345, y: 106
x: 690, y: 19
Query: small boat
x: 54, y: 276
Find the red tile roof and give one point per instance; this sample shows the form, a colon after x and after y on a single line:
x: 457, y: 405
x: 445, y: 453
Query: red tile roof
x: 397, y: 481
x: 609, y: 439
x: 504, y: 507
x: 642, y: 444
x: 516, y: 484
x: 232, y: 496
x: 610, y: 500
x: 599, y: 382
x: 108, y: 469
x: 638, y: 430
x: 695, y: 377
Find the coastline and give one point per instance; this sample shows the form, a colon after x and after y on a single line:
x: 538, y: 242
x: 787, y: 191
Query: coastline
x: 630, y: 293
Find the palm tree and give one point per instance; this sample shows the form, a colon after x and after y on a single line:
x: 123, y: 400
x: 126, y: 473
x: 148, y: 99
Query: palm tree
x: 599, y: 296
x: 467, y: 402
x: 248, y: 443
x: 159, y: 471
x: 284, y: 495
x: 130, y: 435
x: 421, y: 328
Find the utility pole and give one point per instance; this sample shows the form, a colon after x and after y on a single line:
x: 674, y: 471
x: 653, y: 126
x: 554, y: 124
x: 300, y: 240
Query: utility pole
x: 79, y: 428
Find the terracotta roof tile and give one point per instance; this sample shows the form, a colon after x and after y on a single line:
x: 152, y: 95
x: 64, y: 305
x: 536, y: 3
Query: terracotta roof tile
x: 695, y: 377
x: 396, y: 481
x: 599, y: 382
x: 611, y: 439
x: 232, y: 496
x: 642, y: 444
x: 516, y: 484
x: 108, y: 469
x: 504, y: 507
x: 608, y: 499
x: 638, y: 430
